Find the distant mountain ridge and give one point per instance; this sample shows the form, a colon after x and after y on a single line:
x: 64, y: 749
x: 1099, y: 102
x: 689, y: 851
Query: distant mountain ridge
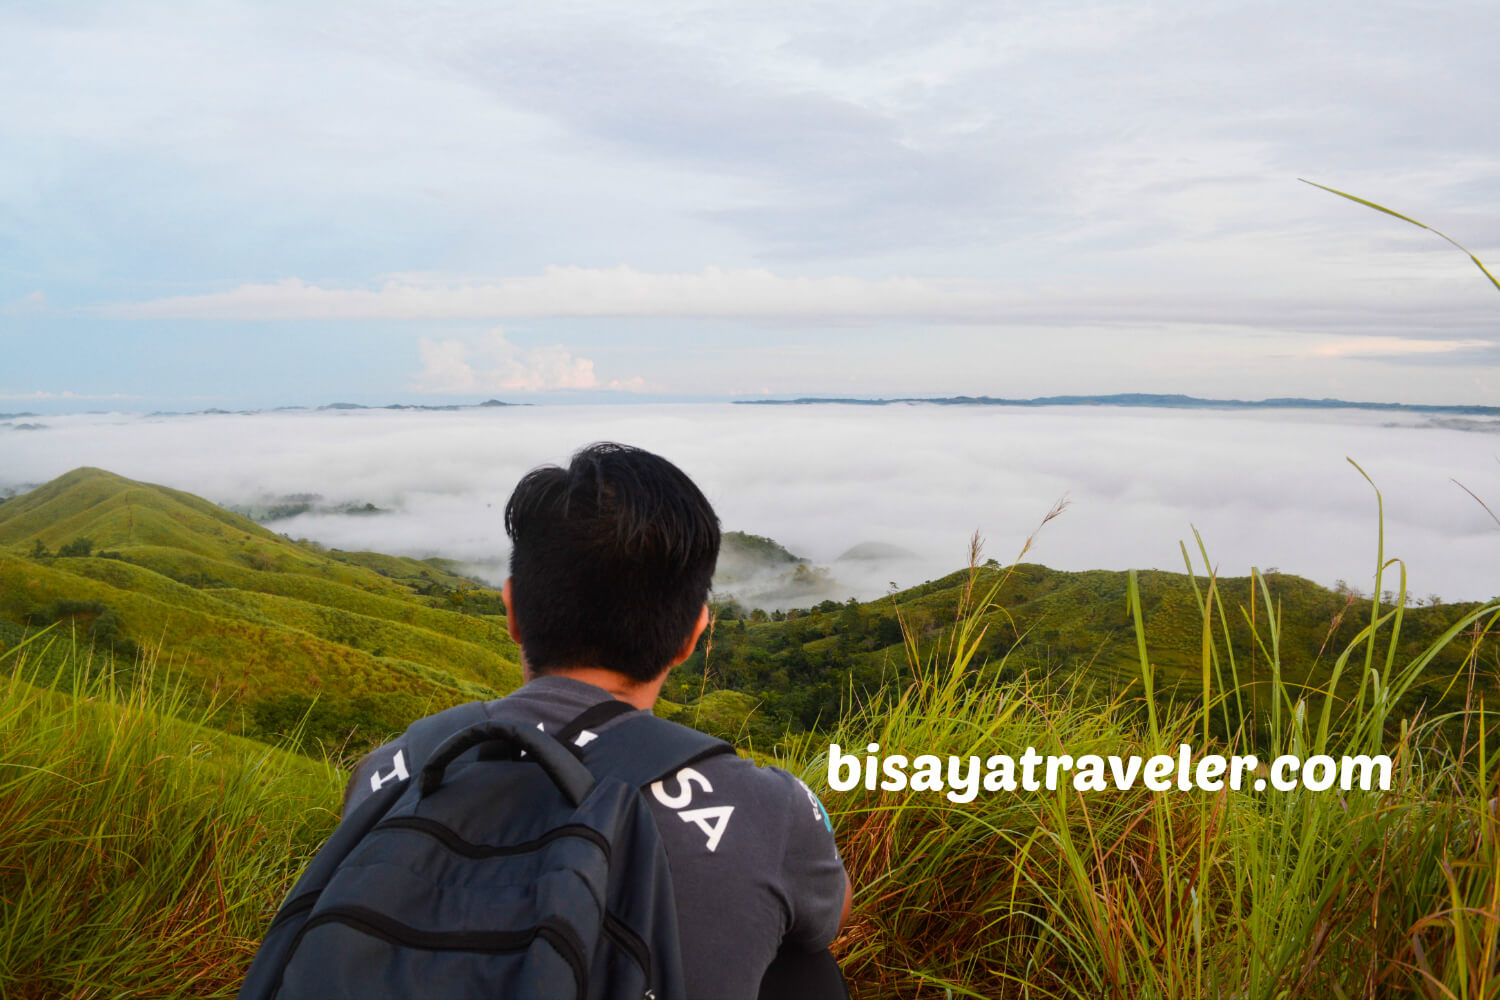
x: 215, y: 411
x: 1170, y: 401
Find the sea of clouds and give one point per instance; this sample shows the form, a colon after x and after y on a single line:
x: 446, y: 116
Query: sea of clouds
x: 1265, y: 488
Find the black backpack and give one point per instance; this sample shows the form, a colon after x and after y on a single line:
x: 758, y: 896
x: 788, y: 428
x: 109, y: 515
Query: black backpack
x: 511, y: 864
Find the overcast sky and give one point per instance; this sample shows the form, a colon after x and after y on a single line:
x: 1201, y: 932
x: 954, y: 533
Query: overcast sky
x: 243, y: 205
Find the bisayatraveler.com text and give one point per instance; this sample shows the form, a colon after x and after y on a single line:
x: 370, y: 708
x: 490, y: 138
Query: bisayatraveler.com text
x: 963, y: 778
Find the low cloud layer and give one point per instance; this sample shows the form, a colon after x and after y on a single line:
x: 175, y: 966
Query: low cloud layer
x: 1265, y: 489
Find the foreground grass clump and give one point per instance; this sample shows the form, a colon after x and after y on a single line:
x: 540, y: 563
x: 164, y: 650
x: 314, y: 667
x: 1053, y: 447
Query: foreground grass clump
x: 1136, y: 894
x: 140, y: 854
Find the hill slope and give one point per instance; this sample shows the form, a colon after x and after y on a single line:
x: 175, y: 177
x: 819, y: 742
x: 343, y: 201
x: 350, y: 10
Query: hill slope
x: 1066, y: 627
x: 263, y: 623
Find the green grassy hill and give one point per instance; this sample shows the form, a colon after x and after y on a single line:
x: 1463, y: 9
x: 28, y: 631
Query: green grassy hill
x: 1062, y: 628
x: 271, y: 628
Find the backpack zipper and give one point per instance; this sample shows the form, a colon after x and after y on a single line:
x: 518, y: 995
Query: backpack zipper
x: 291, y: 908
x: 555, y: 932
x: 450, y: 839
x: 629, y: 940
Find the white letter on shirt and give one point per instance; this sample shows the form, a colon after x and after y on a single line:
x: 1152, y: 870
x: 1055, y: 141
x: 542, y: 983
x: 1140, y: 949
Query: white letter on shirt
x: 712, y: 820
x: 398, y: 773
x: 685, y: 779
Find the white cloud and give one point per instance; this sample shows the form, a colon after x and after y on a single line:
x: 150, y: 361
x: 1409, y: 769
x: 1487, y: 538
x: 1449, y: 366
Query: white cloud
x: 1374, y: 347
x: 65, y: 394
x: 579, y: 291
x: 761, y: 294
x: 491, y: 363
x: 33, y: 302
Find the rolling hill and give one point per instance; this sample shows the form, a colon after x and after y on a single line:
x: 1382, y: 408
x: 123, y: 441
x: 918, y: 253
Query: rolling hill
x: 271, y: 628
x: 1066, y: 629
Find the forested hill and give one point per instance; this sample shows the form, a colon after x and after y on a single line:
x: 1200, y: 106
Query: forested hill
x: 356, y: 644
x: 1067, y: 628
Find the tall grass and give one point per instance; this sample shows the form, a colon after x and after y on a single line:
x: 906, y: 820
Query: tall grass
x: 140, y: 854
x: 1135, y: 894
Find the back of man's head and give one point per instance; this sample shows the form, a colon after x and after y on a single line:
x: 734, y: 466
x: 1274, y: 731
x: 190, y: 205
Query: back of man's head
x: 611, y: 561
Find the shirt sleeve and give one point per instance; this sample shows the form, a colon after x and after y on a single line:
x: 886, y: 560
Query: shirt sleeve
x: 812, y: 872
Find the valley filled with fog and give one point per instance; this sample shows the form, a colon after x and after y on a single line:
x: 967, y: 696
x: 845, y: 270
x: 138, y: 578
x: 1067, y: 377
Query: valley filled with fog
x: 868, y: 496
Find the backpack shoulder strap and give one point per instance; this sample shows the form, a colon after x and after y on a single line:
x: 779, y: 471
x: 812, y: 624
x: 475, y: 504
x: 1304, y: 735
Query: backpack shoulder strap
x: 591, y: 717
x: 641, y: 748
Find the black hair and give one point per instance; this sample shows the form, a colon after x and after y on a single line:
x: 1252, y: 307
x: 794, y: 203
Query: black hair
x: 611, y: 560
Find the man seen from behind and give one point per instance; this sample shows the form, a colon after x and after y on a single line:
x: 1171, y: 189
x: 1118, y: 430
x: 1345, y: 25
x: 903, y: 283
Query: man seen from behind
x: 610, y: 570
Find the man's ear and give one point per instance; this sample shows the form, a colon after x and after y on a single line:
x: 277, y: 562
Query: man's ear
x: 692, y: 639
x: 513, y: 626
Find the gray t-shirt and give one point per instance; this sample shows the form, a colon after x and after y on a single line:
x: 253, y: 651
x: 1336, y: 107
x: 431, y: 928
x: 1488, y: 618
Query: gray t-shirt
x: 750, y: 848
